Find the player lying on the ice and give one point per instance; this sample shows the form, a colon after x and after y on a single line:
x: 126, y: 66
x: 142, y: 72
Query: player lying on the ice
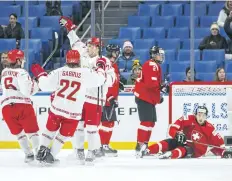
x: 190, y: 138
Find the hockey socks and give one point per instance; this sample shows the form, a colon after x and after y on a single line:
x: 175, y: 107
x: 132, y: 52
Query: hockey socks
x: 58, y: 144
x: 79, y: 136
x: 93, y: 137
x: 105, y: 132
x: 144, y: 131
x: 24, y: 143
x: 161, y: 146
x: 34, y: 138
x: 47, y: 137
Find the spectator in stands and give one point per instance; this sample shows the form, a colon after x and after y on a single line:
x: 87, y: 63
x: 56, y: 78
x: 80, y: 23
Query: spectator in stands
x: 215, y: 40
x: 220, y: 75
x: 127, y: 54
x: 188, y: 75
x: 14, y: 29
x: 4, y: 57
x: 1, y: 32
x: 53, y: 8
x: 136, y: 69
x: 224, y: 13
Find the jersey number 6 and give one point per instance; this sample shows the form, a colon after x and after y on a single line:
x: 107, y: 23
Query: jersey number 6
x: 66, y: 84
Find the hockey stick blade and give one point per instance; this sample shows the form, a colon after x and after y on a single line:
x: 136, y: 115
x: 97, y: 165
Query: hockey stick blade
x: 53, y: 51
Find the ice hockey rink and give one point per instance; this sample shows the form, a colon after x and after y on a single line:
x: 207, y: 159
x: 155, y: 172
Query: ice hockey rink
x: 124, y: 167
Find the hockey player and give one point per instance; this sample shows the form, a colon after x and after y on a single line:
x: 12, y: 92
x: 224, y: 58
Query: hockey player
x: 147, y: 94
x: 95, y: 97
x: 17, y: 109
x: 69, y: 83
x: 189, y: 138
x: 109, y: 114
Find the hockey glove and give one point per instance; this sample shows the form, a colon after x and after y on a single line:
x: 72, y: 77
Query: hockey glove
x: 180, y: 138
x: 101, y: 63
x: 113, y: 102
x: 227, y: 154
x: 38, y: 71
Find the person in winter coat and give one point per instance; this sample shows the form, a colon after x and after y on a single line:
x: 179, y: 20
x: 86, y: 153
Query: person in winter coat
x: 215, y: 40
x: 224, y: 13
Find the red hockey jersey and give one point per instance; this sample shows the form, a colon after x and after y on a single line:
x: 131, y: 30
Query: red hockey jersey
x: 114, y: 90
x: 203, y: 134
x: 147, y: 86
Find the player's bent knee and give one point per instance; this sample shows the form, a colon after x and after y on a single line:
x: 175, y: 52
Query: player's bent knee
x: 189, y: 152
x: 172, y: 144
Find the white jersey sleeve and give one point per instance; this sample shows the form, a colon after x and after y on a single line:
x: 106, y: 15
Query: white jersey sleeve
x: 49, y: 82
x: 94, y: 78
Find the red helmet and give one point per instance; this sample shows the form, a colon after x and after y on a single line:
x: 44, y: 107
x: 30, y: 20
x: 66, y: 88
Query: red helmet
x: 14, y: 55
x: 94, y: 41
x: 72, y: 56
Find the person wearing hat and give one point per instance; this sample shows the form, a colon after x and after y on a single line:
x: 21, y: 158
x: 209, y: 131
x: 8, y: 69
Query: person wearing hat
x: 215, y: 40
x: 136, y: 69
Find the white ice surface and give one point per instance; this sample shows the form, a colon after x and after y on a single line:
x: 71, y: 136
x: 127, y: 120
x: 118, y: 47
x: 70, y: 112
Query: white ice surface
x: 125, y: 167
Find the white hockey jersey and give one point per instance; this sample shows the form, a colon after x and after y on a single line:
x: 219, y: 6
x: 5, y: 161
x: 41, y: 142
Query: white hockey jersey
x: 86, y: 61
x: 17, y: 86
x: 70, y: 86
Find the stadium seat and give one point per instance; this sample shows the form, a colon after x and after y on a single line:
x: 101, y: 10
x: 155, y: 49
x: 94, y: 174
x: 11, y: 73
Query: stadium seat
x: 144, y: 43
x: 126, y: 75
x: 178, y: 66
x: 5, y: 11
x: 154, y: 33
x: 186, y: 43
x: 177, y: 76
x: 143, y: 55
x: 139, y: 21
x: 168, y: 44
x: 201, y: 32
x: 122, y: 64
x: 171, y: 10
x: 36, y: 10
x: 45, y: 34
x: 130, y: 33
x: 164, y: 68
x: 50, y: 21
x: 214, y: 9
x: 34, y: 44
x: 210, y: 55
x: 117, y: 42
x: 4, y: 21
x: 182, y: 33
x: 163, y: 21
x: 229, y: 76
x: 205, y: 76
x: 184, y: 55
x: 205, y: 67
x: 148, y: 10
x: 32, y: 22
x: 184, y: 21
x: 7, y: 44
x: 228, y: 66
x: 170, y: 56
x: 200, y: 9
x: 206, y: 21
x: 67, y: 10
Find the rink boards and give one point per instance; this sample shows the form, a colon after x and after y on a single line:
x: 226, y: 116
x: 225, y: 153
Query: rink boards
x: 125, y: 132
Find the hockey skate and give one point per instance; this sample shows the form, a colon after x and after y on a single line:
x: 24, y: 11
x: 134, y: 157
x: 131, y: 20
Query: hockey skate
x: 67, y: 23
x: 108, y: 151
x: 29, y: 158
x: 143, y: 151
x: 41, y: 153
x: 80, y: 155
x: 89, y: 160
x: 166, y: 155
x: 99, y: 153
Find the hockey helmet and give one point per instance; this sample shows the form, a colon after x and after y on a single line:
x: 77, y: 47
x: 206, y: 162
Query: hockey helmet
x: 202, y: 109
x: 113, y: 48
x: 94, y: 41
x: 201, y: 118
x: 157, y: 51
x: 14, y: 55
x: 72, y: 56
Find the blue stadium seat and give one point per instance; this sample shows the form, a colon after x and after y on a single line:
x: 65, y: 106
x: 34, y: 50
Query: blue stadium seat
x: 32, y: 22
x: 206, y: 21
x: 168, y: 44
x: 186, y: 43
x: 126, y: 75
x: 200, y: 9
x: 210, y: 55
x: 154, y: 33
x: 177, y: 76
x: 201, y: 32
x: 31, y: 57
x: 205, y: 66
x: 182, y: 33
x: 163, y: 21
x: 5, y: 11
x: 178, y: 66
x: 205, y: 76
x: 184, y: 55
x: 7, y: 44
x: 122, y: 64
x: 164, y: 68
x: 171, y: 9
x: 34, y: 44
x: 4, y: 21
x: 156, y: 2
x: 148, y: 10
x: 37, y: 10
x: 130, y: 33
x: 45, y: 34
x: 144, y: 43
x: 67, y: 10
x: 184, y: 21
x: 117, y: 42
x: 170, y: 56
x: 179, y: 2
x: 214, y: 9
x: 228, y: 66
x: 229, y: 76
x: 139, y: 21
x: 143, y: 55
x: 50, y: 22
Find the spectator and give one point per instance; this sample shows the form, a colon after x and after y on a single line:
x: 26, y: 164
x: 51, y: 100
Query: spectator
x: 136, y: 69
x: 188, y: 75
x: 14, y: 29
x: 127, y: 55
x: 224, y: 13
x: 215, y: 40
x: 1, y: 32
x: 4, y: 57
x: 53, y: 8
x: 220, y: 75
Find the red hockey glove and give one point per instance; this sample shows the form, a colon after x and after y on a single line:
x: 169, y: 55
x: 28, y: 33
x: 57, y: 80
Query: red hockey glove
x: 113, y: 102
x: 101, y: 63
x: 38, y: 71
x: 67, y: 23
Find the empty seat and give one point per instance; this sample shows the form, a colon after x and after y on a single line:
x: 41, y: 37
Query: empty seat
x: 130, y: 33
x: 201, y: 32
x: 117, y: 42
x: 144, y: 43
x: 206, y: 21
x: 67, y: 10
x: 163, y: 21
x: 184, y: 21
x: 205, y: 76
x: 154, y: 33
x: 177, y: 76
x: 32, y: 22
x: 228, y: 67
x: 170, y: 56
x: 184, y: 55
x: 205, y: 66
x: 5, y: 10
x: 200, y: 9
x: 214, y: 9
x: 210, y: 55
x: 50, y: 21
x: 37, y: 10
x: 178, y: 66
x: 143, y: 55
x: 171, y: 10
x: 4, y: 21
x: 186, y: 43
x: 34, y: 44
x: 139, y: 21
x: 169, y: 43
x: 7, y: 44
x: 182, y: 33
x: 45, y: 34
x: 229, y: 76
x: 148, y: 10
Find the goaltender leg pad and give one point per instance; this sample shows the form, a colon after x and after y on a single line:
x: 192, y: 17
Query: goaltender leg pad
x: 107, y: 112
x: 146, y: 111
x: 91, y: 114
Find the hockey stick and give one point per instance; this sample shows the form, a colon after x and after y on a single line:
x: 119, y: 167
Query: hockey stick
x: 53, y: 51
x: 211, y: 146
x: 111, y: 113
